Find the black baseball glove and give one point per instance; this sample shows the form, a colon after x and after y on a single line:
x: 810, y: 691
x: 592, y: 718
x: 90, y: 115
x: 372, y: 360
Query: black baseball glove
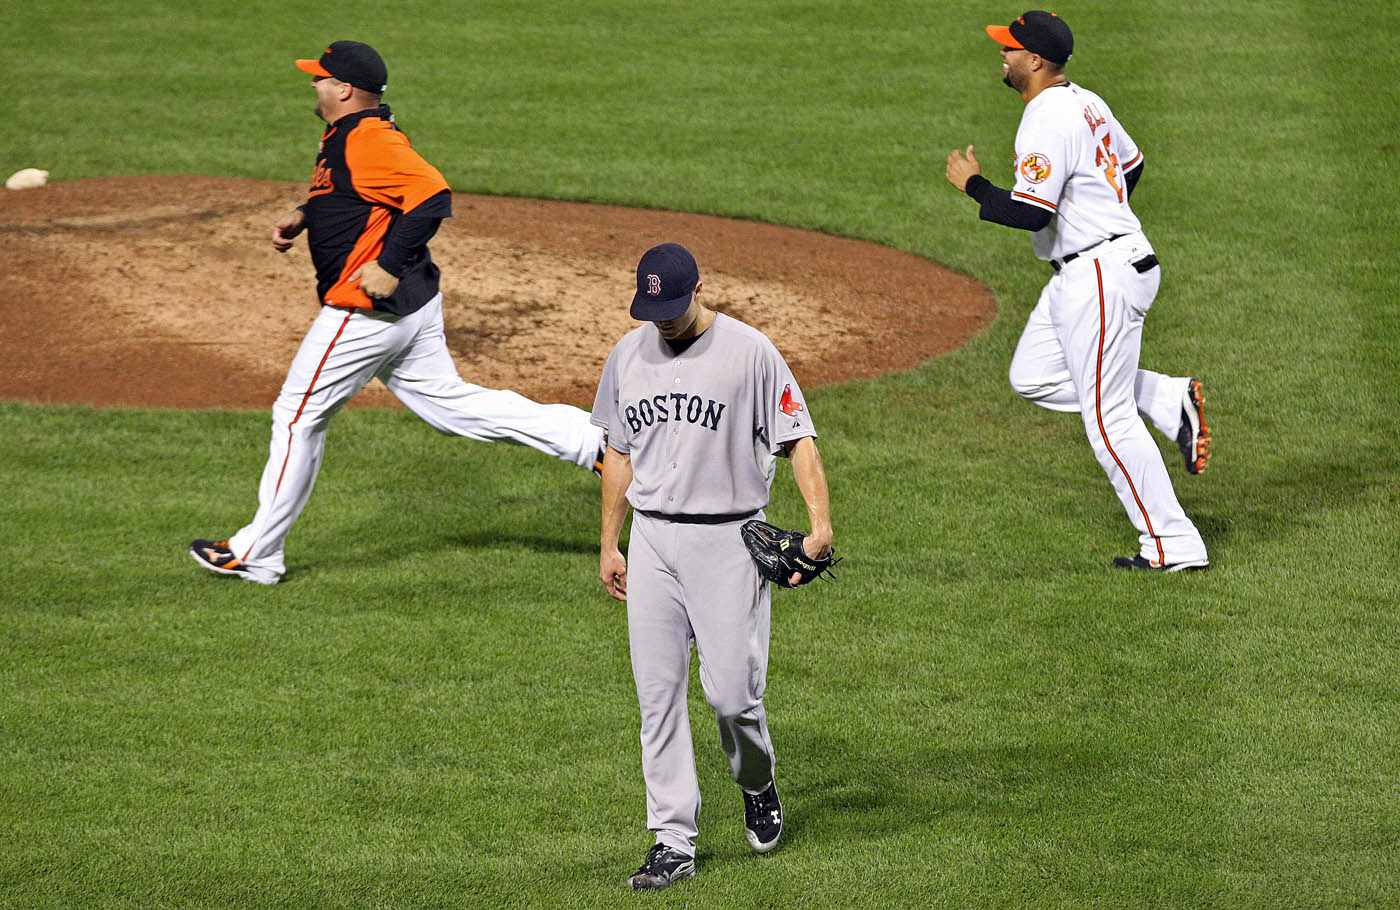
x: 779, y: 554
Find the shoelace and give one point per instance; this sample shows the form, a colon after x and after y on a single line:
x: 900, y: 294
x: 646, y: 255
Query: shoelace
x: 654, y: 858
x: 755, y: 802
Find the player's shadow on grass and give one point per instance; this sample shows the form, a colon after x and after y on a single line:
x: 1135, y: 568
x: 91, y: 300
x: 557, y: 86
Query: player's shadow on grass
x: 1276, y: 504
x: 928, y: 787
x: 542, y: 541
x: 1215, y: 529
x: 544, y: 509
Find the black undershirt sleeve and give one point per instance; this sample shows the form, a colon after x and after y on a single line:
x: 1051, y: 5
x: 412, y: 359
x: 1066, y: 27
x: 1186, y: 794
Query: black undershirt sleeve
x: 412, y: 231
x: 1131, y: 178
x: 999, y: 207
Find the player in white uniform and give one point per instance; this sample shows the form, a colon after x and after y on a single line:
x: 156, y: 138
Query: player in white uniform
x: 371, y: 209
x: 1075, y: 169
x: 697, y: 407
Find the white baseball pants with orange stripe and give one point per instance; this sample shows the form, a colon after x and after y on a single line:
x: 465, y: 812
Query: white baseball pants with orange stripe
x: 344, y: 350
x: 1079, y: 352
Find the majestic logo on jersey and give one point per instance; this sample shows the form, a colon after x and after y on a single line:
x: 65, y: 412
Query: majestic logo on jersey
x: 788, y: 405
x: 675, y: 406
x: 653, y: 285
x: 1035, y: 167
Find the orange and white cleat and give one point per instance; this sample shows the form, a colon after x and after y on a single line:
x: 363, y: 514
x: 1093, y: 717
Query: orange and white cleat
x: 1194, y: 436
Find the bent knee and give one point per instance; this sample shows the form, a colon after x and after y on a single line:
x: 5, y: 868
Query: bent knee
x: 1028, y: 385
x: 738, y: 708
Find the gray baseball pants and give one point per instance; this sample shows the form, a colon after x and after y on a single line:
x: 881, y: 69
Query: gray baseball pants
x: 696, y: 584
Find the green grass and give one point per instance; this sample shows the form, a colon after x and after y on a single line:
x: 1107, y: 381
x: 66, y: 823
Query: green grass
x: 436, y: 709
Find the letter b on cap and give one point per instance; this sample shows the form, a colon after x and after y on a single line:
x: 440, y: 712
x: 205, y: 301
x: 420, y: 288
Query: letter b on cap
x: 653, y: 285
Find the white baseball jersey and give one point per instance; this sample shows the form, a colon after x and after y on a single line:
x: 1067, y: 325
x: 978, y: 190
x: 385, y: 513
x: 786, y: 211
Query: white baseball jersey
x: 1071, y: 155
x: 702, y: 426
x: 1082, y: 344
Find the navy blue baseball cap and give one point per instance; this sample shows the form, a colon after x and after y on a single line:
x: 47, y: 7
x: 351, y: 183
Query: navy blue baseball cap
x: 1039, y: 32
x: 666, y: 280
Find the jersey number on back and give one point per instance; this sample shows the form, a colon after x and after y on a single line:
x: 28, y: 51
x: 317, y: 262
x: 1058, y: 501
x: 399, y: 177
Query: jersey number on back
x: 1104, y: 157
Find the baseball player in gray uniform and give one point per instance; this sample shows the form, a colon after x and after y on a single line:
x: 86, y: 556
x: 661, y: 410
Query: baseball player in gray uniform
x: 697, y: 407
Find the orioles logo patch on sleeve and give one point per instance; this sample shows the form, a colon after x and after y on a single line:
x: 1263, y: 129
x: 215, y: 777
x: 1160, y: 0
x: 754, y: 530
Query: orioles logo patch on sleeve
x: 1035, y: 167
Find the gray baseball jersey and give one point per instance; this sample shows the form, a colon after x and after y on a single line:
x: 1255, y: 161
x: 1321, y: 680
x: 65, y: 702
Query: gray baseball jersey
x: 702, y: 426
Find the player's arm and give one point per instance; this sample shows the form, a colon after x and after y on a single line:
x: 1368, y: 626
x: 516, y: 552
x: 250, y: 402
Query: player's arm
x: 998, y: 205
x: 807, y: 470
x: 287, y: 228
x: 1129, y: 156
x: 410, y: 233
x: 612, y: 565
x: 387, y: 171
x: 1130, y: 178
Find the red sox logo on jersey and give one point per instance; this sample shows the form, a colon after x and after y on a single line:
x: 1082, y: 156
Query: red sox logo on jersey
x: 788, y: 405
x: 1035, y: 167
x: 653, y: 285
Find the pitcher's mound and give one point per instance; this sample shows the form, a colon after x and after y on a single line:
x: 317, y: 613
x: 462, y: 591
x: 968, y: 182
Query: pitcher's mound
x: 166, y: 292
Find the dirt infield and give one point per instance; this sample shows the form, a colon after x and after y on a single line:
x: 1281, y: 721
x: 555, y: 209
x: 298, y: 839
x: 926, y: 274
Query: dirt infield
x: 166, y: 292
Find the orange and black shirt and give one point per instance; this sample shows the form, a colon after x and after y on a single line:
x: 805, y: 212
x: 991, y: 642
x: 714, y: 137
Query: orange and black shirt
x: 373, y: 197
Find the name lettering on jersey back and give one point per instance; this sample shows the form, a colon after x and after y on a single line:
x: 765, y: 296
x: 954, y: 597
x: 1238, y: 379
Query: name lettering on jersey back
x: 1094, y: 118
x: 321, y: 179
x: 676, y: 406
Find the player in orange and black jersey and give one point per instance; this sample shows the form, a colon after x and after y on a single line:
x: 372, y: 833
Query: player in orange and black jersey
x: 373, y: 199
x: 373, y: 205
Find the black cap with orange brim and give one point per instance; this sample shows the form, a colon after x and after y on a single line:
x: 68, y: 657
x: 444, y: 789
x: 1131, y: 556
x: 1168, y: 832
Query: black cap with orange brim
x: 1039, y: 32
x: 352, y: 62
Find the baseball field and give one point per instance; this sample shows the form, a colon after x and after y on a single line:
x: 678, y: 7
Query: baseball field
x: 435, y: 709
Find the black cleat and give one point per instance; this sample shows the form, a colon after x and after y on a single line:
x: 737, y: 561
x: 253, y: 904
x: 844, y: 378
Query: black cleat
x: 598, y: 460
x: 1194, y: 436
x: 663, y: 866
x: 1138, y: 562
x: 216, y: 556
x: 763, y: 819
